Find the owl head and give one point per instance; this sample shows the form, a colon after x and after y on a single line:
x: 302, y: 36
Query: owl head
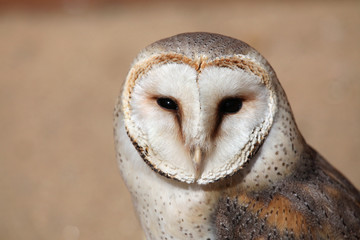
x: 199, y: 106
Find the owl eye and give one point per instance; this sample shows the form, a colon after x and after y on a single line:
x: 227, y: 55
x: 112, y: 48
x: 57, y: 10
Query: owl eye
x: 167, y: 103
x: 230, y: 105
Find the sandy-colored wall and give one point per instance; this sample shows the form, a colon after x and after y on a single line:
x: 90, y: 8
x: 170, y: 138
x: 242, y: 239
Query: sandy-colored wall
x: 60, y: 73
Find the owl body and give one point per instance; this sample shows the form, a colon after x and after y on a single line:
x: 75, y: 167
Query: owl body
x: 209, y: 149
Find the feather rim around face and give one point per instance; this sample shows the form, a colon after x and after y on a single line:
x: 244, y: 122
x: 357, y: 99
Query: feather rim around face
x: 230, y: 167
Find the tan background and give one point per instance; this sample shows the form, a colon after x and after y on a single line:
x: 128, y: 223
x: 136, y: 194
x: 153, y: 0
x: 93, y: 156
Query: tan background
x: 61, y: 70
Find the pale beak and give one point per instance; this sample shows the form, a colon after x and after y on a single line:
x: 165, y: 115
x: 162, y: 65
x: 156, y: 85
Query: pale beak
x: 197, y: 161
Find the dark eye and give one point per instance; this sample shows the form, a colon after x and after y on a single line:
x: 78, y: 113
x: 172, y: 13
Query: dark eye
x: 230, y: 105
x: 167, y: 103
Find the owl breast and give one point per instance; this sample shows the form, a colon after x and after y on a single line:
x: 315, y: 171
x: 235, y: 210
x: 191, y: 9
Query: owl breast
x: 166, y: 209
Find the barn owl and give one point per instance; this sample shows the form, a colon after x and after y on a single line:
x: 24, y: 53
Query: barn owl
x: 209, y: 149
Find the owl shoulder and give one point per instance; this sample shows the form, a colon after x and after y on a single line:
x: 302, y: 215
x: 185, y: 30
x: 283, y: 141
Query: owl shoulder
x: 315, y: 202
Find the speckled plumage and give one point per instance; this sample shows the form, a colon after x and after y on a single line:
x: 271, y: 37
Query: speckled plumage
x: 255, y: 176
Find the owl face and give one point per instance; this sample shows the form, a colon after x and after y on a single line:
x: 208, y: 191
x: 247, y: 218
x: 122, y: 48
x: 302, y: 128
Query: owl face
x: 195, y: 118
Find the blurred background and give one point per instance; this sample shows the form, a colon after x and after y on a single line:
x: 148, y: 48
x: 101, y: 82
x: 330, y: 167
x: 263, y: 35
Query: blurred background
x: 62, y: 63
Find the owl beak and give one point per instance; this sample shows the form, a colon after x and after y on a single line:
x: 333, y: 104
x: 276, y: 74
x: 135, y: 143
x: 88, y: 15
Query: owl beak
x: 197, y: 160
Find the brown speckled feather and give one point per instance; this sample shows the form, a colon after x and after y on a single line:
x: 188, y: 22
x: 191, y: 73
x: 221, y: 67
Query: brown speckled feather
x: 315, y: 202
